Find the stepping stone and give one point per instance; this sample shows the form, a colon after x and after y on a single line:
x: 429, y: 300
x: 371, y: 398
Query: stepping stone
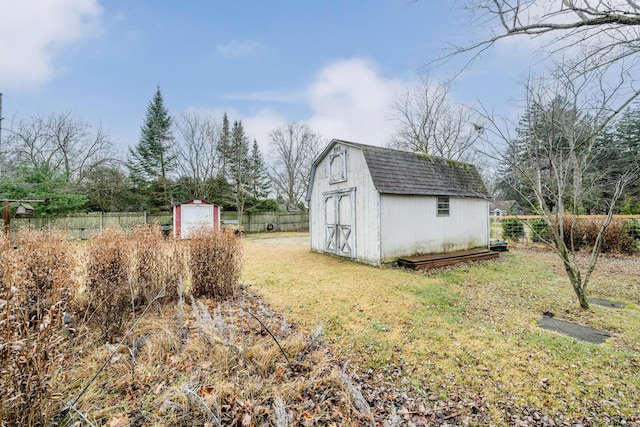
x: 605, y: 303
x: 574, y: 330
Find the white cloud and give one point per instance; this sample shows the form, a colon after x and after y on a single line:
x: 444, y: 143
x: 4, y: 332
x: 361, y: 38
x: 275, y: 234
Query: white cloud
x: 351, y: 101
x: 33, y: 33
x: 240, y: 48
x: 348, y: 99
x: 258, y: 126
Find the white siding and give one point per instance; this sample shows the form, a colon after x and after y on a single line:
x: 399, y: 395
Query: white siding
x: 387, y: 227
x: 366, y: 227
x: 410, y: 226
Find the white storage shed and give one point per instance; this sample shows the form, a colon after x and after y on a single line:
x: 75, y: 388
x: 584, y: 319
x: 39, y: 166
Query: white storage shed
x: 194, y: 214
x: 376, y: 205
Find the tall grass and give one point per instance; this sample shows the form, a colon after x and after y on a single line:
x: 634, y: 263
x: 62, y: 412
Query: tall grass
x: 156, y: 265
x: 36, y: 272
x: 215, y: 261
x: 48, y: 282
x: 107, y: 277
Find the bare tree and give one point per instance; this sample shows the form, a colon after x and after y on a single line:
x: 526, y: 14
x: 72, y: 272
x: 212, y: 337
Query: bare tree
x: 551, y: 153
x: 196, y: 153
x: 60, y: 144
x: 604, y: 34
x: 428, y: 122
x: 603, y: 38
x: 293, y: 150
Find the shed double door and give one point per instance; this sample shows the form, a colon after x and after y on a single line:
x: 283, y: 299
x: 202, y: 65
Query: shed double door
x: 339, y: 210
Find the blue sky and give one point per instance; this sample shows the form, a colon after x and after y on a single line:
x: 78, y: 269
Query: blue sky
x: 335, y: 65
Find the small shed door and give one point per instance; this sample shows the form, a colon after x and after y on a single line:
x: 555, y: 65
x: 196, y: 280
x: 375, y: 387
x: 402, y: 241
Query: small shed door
x: 196, y: 216
x: 339, y: 211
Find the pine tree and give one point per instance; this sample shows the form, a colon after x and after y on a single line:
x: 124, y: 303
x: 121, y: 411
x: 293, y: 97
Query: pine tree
x: 151, y: 161
x: 224, y: 147
x: 259, y: 179
x: 239, y: 166
x: 617, y: 149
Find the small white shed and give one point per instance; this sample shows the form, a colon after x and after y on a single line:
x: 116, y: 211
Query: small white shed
x: 194, y: 214
x: 375, y: 204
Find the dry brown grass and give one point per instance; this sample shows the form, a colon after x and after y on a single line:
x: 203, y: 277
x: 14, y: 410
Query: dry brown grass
x: 35, y: 290
x: 469, y: 333
x: 194, y: 362
x: 215, y: 262
x: 225, y: 370
x: 107, y: 280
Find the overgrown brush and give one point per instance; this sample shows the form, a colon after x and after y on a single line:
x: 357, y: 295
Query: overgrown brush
x: 151, y: 263
x: 35, y: 289
x: 616, y: 238
x: 175, y: 271
x: 214, y: 263
x: 108, y: 278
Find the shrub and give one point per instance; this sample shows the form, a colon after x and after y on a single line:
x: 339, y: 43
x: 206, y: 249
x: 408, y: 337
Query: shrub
x: 214, y: 263
x: 35, y: 289
x: 581, y: 231
x: 512, y: 229
x: 149, y: 263
x: 108, y: 279
x: 539, y: 229
x: 634, y: 229
x: 616, y: 238
x: 176, y: 269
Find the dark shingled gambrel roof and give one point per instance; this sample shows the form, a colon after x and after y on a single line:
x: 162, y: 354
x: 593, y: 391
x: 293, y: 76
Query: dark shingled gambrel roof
x: 404, y: 172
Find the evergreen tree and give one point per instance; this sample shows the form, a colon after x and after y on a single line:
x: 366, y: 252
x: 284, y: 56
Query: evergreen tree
x: 239, y: 166
x: 627, y: 135
x: 224, y: 147
x: 259, y: 178
x: 617, y: 148
x: 150, y: 162
x: 40, y: 182
x: 549, y: 134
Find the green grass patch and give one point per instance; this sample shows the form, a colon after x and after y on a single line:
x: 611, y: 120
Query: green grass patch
x: 468, y: 331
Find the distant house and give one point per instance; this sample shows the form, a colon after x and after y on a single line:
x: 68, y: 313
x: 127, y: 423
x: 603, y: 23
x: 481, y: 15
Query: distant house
x: 376, y: 204
x: 194, y: 214
x: 504, y: 207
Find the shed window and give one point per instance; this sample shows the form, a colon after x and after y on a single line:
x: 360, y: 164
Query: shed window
x: 443, y: 205
x: 338, y: 166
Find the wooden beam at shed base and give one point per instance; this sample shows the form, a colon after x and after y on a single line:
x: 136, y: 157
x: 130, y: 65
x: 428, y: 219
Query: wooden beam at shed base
x: 446, y: 259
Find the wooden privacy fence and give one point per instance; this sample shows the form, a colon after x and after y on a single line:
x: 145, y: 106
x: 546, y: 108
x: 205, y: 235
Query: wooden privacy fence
x: 82, y: 225
x: 258, y: 222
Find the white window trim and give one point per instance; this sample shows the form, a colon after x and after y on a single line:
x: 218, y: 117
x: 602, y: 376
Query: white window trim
x: 448, y: 202
x: 338, y: 152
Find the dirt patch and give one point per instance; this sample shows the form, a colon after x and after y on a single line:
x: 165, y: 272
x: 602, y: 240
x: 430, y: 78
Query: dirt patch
x: 294, y: 240
x: 574, y: 330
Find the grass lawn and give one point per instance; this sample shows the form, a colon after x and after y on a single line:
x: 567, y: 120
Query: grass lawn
x: 467, y: 332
